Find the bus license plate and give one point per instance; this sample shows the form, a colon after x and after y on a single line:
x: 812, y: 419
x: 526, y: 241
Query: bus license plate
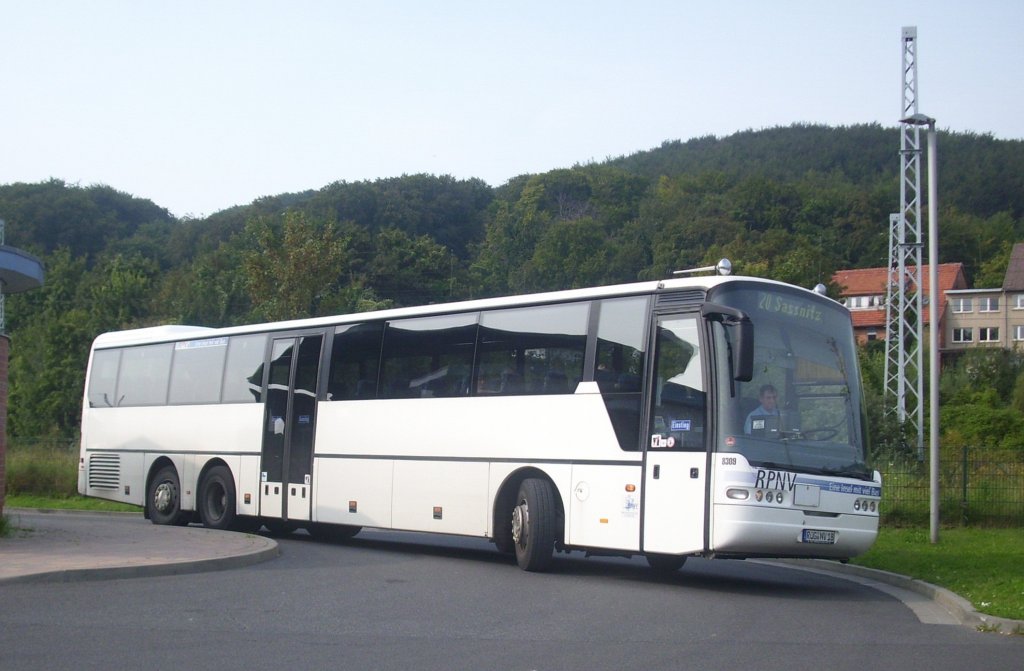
x: 819, y: 536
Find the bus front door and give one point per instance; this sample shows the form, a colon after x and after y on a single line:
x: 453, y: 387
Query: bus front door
x: 286, y: 470
x: 675, y: 461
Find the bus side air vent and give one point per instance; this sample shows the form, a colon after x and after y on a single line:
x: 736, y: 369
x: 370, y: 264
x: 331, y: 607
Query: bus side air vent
x: 688, y: 298
x: 104, y: 471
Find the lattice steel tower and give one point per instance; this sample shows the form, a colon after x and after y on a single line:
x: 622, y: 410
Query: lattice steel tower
x: 904, y: 355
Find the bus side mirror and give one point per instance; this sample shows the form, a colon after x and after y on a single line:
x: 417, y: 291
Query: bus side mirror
x: 740, y: 332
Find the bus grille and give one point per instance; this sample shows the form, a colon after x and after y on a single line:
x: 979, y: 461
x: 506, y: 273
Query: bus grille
x: 687, y: 298
x: 104, y: 471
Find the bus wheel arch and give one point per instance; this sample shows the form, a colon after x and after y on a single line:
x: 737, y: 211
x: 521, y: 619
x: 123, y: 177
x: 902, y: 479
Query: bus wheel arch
x: 217, y: 500
x: 529, y: 518
x: 163, y: 495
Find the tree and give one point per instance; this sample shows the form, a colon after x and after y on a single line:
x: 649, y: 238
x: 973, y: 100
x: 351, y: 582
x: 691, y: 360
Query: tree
x: 570, y: 255
x: 412, y: 270
x: 292, y: 265
x: 211, y: 290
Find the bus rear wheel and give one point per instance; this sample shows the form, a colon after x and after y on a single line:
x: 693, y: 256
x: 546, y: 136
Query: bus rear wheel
x: 533, y: 524
x: 333, y: 533
x: 665, y: 563
x: 217, y: 499
x: 164, y: 498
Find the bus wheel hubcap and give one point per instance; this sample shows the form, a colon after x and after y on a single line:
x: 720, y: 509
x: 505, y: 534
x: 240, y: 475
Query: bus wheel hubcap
x: 520, y: 519
x: 163, y: 497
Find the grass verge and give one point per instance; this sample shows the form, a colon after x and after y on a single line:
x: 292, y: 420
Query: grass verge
x: 981, y: 565
x: 68, y: 503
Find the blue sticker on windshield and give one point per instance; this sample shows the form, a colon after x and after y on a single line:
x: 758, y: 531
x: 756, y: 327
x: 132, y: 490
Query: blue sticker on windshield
x: 680, y: 425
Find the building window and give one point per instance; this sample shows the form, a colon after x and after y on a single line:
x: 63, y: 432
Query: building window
x: 1018, y: 302
x: 961, y: 305
x: 988, y: 334
x: 988, y: 304
x: 963, y: 335
x: 1018, y: 332
x: 864, y: 302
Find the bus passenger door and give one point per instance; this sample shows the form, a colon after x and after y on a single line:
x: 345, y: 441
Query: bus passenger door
x: 675, y: 460
x: 286, y: 471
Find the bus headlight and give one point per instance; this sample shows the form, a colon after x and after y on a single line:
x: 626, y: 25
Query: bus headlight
x: 737, y: 494
x: 865, y: 505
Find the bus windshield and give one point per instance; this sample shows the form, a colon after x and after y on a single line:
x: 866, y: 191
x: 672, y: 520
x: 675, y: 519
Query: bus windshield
x: 802, y: 410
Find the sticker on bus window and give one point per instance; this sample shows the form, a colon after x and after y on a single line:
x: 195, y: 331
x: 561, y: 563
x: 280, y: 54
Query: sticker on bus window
x: 681, y: 424
x: 659, y: 441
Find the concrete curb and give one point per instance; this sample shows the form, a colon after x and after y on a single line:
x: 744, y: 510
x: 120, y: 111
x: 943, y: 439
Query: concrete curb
x: 959, y: 607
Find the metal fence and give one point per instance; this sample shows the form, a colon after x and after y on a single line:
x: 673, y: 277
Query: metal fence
x: 977, y: 487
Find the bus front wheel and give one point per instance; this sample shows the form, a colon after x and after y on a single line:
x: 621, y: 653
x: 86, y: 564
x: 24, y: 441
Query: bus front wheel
x: 533, y: 524
x: 164, y: 498
x: 217, y: 499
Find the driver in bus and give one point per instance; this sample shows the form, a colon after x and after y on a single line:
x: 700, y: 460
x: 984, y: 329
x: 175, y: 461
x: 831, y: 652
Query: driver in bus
x: 765, y: 417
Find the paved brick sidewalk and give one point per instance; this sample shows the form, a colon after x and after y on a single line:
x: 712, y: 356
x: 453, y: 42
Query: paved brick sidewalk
x: 64, y: 546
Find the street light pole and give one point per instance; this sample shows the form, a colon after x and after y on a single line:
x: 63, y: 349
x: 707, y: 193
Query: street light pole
x: 933, y: 330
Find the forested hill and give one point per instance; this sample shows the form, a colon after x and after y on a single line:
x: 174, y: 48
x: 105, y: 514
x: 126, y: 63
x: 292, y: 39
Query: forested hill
x: 792, y: 203
x: 979, y: 174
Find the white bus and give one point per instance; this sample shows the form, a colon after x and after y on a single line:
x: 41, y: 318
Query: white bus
x: 614, y: 420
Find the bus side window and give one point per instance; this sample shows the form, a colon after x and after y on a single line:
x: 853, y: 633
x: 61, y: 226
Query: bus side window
x: 144, y: 375
x: 355, y: 362
x: 103, y: 378
x: 536, y: 350
x: 428, y: 357
x: 197, y: 371
x: 620, y: 363
x: 243, y: 371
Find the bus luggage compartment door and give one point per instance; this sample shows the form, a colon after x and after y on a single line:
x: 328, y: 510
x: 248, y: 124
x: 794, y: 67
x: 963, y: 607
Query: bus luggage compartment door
x: 673, y: 502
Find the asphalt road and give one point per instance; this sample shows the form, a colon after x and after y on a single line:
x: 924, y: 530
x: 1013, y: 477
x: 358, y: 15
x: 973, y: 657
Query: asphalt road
x: 410, y: 602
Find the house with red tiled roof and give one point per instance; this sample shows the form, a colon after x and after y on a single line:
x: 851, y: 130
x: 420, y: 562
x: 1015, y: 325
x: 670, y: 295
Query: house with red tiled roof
x: 990, y: 317
x: 863, y: 292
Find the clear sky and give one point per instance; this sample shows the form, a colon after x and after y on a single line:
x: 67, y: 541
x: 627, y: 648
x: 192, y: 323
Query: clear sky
x: 202, y: 105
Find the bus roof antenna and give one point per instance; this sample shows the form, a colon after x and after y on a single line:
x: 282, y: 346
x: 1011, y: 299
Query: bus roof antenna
x: 723, y: 267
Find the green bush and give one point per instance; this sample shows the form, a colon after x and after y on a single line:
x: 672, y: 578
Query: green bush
x: 43, y: 469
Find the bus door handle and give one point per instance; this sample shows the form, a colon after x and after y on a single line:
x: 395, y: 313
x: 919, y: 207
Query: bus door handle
x: 657, y: 471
